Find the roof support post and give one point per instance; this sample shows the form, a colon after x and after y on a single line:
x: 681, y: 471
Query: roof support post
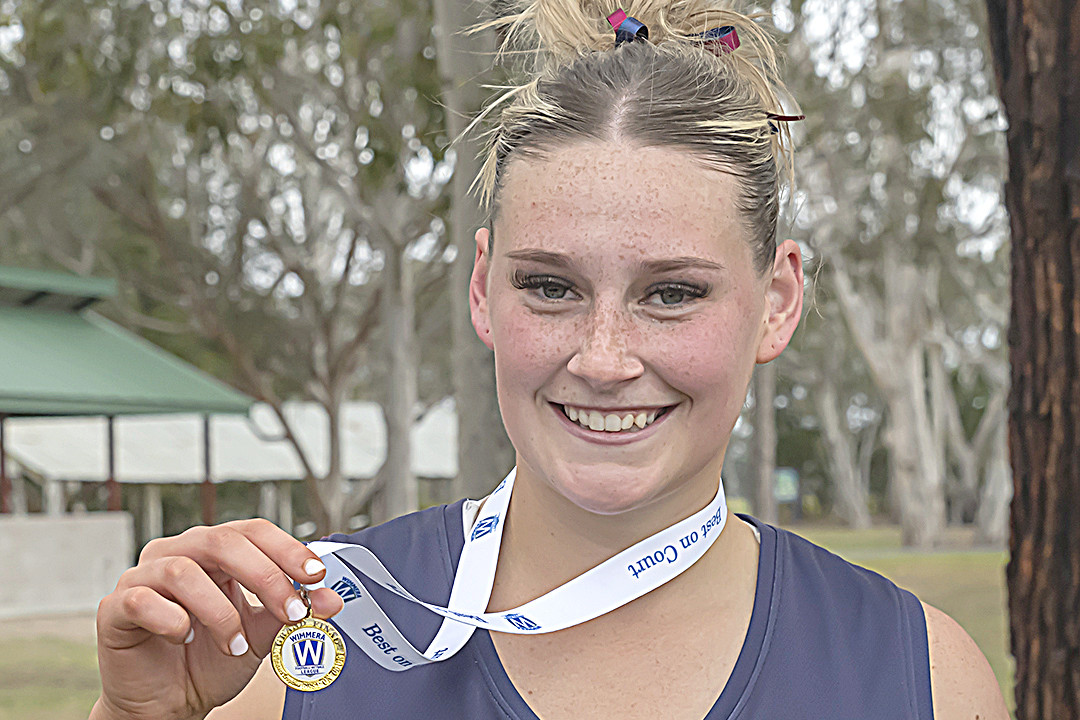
x: 5, y: 481
x: 152, y: 522
x: 268, y: 501
x: 112, y: 487
x: 209, y: 495
x: 284, y: 509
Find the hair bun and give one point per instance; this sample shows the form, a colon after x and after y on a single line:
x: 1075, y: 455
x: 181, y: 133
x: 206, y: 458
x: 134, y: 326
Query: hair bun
x: 538, y: 36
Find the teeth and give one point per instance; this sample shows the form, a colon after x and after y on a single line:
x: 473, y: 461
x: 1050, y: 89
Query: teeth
x: 611, y: 422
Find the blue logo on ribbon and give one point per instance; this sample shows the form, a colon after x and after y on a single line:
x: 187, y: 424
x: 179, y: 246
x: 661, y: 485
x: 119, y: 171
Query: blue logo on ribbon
x: 347, y: 589
x: 521, y: 622
x: 484, y: 526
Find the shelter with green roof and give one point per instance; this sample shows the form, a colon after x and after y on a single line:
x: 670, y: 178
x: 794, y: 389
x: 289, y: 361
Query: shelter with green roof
x: 58, y: 357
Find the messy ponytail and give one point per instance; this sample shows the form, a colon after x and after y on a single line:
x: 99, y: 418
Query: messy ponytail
x: 673, y: 90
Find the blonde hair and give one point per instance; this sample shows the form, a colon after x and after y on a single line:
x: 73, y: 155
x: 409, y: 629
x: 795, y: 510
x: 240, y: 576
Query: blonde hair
x: 669, y: 91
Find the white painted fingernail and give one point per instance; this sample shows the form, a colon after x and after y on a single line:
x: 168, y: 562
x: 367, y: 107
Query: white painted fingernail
x: 238, y: 645
x: 313, y: 567
x: 295, y: 609
x: 190, y: 636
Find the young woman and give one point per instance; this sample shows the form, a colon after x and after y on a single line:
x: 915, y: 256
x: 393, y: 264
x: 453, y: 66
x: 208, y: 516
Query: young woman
x: 628, y: 283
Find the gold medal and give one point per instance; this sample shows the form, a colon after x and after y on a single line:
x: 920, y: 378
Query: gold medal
x: 309, y: 655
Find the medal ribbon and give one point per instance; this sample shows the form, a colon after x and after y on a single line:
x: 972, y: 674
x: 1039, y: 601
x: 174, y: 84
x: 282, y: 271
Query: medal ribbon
x: 623, y: 578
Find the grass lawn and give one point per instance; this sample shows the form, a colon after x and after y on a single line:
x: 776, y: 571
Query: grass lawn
x: 48, y: 667
x: 965, y: 582
x: 46, y: 677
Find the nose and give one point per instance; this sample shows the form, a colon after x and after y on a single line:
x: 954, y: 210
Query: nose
x: 606, y: 356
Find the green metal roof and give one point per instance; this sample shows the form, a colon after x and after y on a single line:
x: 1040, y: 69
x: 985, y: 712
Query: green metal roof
x: 24, y: 287
x: 60, y: 362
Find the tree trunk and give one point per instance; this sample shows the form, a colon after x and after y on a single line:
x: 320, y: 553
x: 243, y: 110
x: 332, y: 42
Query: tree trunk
x: 765, y: 442
x: 913, y: 454
x: 484, y: 452
x: 992, y: 517
x: 851, y: 499
x: 336, y: 510
x: 398, y: 494
x: 896, y: 358
x: 961, y: 492
x: 1036, y: 47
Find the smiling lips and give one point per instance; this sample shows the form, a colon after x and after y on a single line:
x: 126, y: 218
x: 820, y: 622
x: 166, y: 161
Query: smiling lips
x: 624, y: 421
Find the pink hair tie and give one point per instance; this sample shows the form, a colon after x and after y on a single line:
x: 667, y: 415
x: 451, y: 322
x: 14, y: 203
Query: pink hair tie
x: 723, y: 39
x: 627, y: 29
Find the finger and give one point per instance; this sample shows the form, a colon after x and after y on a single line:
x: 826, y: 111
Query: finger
x: 291, y: 555
x: 258, y: 554
x: 186, y: 583
x: 142, y: 608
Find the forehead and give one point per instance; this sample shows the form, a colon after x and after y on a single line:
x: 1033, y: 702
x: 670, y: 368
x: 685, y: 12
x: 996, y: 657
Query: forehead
x: 651, y: 201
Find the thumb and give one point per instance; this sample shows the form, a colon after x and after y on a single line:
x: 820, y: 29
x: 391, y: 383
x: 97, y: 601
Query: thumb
x: 325, y: 603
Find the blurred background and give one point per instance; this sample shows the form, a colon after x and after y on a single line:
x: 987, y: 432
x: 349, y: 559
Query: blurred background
x: 234, y: 244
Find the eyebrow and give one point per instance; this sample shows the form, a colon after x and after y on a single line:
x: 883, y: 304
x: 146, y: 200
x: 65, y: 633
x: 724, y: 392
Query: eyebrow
x: 679, y: 263
x: 647, y: 266
x: 540, y: 256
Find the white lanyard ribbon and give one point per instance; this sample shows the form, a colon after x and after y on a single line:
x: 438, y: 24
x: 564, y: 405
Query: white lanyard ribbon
x: 625, y: 577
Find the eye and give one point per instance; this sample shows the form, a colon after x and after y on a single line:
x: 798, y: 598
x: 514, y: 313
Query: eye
x: 553, y: 291
x: 672, y: 295
x: 548, y: 287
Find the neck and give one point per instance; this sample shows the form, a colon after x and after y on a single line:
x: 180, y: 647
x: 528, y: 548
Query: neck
x: 548, y: 540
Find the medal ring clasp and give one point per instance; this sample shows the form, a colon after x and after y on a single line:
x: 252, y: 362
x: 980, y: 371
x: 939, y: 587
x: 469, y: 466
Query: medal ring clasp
x: 307, y: 603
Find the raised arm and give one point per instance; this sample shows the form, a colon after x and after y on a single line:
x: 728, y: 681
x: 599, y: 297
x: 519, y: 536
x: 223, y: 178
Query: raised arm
x: 177, y: 637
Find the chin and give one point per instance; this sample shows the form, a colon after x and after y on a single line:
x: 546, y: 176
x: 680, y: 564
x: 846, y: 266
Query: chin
x: 607, y: 490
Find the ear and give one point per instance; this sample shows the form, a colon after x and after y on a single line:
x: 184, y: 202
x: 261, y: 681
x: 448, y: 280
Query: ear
x: 478, y: 300
x: 784, y: 299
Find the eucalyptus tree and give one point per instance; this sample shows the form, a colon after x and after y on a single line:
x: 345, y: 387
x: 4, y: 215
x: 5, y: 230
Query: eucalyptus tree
x: 898, y: 191
x: 280, y: 167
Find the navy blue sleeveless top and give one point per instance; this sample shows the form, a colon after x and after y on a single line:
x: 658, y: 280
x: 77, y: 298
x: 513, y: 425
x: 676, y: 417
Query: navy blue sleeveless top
x: 827, y: 641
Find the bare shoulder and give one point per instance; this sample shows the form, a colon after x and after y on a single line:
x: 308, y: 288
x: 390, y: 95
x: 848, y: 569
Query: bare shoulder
x: 963, y: 685
x: 263, y: 697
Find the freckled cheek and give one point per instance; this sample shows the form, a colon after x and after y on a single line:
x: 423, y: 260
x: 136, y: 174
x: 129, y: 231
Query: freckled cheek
x: 708, y: 363
x: 530, y: 347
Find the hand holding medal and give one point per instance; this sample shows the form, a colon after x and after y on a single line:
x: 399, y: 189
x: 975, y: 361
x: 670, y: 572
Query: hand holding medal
x: 177, y: 637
